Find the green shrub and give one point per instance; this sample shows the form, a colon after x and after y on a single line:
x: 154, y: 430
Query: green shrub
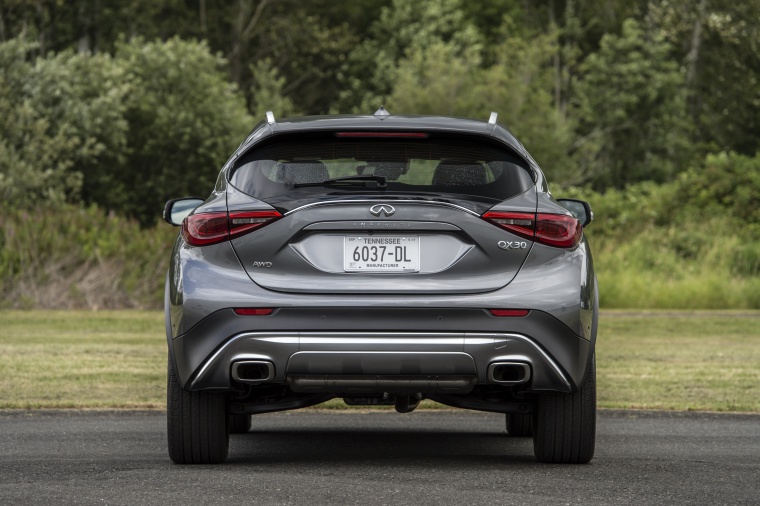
x: 745, y: 260
x: 68, y: 256
x: 60, y: 117
x: 185, y: 119
x: 687, y: 244
x: 125, y: 132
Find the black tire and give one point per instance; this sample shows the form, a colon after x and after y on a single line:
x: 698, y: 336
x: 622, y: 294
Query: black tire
x: 239, y: 424
x: 197, y: 427
x: 565, y: 426
x: 520, y: 425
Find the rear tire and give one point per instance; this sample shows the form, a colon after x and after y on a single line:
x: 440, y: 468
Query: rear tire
x: 520, y: 425
x: 565, y: 427
x: 239, y: 424
x: 197, y: 427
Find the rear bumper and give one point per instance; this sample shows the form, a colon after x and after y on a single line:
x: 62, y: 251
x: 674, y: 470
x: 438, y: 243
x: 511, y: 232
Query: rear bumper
x: 321, y: 344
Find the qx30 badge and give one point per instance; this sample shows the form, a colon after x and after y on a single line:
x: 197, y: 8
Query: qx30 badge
x: 379, y: 209
x: 512, y: 244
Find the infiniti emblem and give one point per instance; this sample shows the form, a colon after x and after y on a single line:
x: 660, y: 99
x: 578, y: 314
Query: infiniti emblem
x: 382, y: 209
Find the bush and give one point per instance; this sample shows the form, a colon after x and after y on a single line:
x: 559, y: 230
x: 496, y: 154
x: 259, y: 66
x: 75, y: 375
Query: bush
x: 688, y: 244
x: 185, y: 120
x: 728, y: 185
x: 68, y: 256
x: 125, y: 132
x: 60, y: 117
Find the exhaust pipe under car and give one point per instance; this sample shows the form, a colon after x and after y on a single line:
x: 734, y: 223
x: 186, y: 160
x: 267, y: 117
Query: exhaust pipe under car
x: 253, y: 372
x: 509, y: 373
x: 407, y: 403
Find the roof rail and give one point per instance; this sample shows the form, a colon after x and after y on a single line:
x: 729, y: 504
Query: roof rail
x: 492, y: 118
x: 270, y: 117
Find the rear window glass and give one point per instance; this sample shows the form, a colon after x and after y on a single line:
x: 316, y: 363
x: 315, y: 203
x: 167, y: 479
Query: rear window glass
x: 431, y: 165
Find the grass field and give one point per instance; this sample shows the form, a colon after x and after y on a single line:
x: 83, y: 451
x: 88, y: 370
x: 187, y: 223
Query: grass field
x: 117, y: 359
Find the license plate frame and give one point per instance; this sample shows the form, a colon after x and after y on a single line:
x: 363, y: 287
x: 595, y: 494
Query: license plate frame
x: 381, y: 254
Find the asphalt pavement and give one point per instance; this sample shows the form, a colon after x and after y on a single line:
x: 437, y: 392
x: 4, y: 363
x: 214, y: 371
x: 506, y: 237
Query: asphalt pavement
x: 367, y: 458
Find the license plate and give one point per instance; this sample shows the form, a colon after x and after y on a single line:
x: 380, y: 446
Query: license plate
x: 381, y: 254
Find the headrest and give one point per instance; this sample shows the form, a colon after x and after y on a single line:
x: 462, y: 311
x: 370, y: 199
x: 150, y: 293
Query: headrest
x: 459, y: 173
x: 391, y: 170
x: 302, y: 171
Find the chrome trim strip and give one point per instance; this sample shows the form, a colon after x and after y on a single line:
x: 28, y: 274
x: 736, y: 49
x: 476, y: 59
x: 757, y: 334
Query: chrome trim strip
x: 256, y: 335
x: 396, y: 337
x: 454, y: 341
x: 360, y: 352
x: 507, y: 358
x: 383, y: 225
x: 289, y: 339
x: 403, y: 337
x: 423, y: 202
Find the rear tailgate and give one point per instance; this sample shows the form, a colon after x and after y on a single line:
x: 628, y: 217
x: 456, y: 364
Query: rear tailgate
x: 423, y: 247
x: 382, y: 212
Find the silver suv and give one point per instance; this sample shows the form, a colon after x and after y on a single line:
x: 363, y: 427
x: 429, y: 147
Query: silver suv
x: 381, y: 260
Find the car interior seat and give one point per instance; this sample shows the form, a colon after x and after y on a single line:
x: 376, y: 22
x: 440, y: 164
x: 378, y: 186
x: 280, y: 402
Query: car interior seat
x: 459, y: 173
x: 302, y: 171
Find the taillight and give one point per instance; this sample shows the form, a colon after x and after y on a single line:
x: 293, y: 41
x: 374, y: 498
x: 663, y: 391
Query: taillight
x: 522, y: 224
x: 558, y: 230
x: 242, y: 222
x: 207, y: 228
x: 212, y: 228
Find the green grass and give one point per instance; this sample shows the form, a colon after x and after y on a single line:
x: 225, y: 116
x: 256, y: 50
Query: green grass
x: 697, y: 361
x: 82, y: 359
x: 117, y: 359
x: 647, y: 271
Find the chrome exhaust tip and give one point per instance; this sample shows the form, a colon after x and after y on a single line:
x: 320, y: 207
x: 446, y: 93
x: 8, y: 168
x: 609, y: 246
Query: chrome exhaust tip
x: 253, y: 372
x: 509, y: 373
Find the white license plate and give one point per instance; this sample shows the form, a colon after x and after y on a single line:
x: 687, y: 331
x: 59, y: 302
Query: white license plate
x: 381, y: 254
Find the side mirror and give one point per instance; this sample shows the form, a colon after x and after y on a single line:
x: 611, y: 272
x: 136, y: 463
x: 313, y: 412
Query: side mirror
x: 177, y: 210
x: 578, y: 208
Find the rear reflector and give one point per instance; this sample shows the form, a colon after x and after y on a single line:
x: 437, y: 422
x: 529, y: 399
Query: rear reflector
x: 253, y: 311
x: 509, y: 312
x: 212, y: 228
x: 558, y: 230
x: 413, y: 135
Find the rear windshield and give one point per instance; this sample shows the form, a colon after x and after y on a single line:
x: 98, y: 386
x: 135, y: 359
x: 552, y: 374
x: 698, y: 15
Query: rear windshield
x: 469, y: 169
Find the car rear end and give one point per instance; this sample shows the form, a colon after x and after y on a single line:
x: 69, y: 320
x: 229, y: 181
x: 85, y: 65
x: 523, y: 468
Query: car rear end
x: 383, y: 262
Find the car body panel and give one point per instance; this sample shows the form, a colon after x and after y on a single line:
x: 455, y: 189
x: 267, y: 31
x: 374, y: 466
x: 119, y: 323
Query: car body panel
x: 224, y: 336
x: 328, y: 324
x: 459, y: 252
x: 200, y: 286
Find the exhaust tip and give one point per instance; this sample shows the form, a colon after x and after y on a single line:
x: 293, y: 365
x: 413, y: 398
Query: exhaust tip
x: 253, y: 372
x: 509, y: 373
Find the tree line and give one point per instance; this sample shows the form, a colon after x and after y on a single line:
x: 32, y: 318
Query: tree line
x: 126, y: 103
